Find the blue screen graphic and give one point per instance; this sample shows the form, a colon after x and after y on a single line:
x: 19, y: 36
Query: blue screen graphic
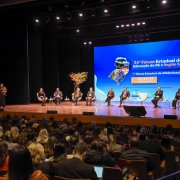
x: 140, y: 67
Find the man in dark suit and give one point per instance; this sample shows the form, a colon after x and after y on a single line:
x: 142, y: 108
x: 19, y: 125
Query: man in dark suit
x: 158, y: 96
x: 90, y: 96
x: 75, y: 167
x: 134, y: 153
x: 110, y: 96
x: 58, y: 96
x: 124, y: 95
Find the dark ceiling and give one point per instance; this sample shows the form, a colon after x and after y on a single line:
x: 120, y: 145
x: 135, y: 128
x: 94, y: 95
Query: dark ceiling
x: 149, y: 16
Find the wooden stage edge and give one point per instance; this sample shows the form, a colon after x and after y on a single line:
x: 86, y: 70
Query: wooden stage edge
x: 115, y: 120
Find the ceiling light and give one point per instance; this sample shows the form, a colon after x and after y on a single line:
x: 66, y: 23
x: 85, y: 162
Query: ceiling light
x: 57, y: 17
x: 80, y: 14
x: 143, y: 23
x: 132, y: 24
x: 127, y: 25
x: 77, y: 30
x: 105, y: 10
x: 138, y: 24
x: 164, y: 1
x: 134, y: 7
x: 37, y: 20
x: 117, y: 26
x: 85, y: 43
x: 90, y: 42
x: 122, y: 25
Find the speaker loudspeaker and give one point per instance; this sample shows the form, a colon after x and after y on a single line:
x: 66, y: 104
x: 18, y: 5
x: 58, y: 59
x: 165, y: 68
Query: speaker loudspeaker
x: 170, y: 117
x: 52, y: 112
x: 88, y: 113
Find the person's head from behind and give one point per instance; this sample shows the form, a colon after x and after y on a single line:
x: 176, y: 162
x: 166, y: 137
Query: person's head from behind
x: 151, y: 136
x: 59, y: 152
x: 14, y: 132
x: 79, y: 125
x: 37, y: 153
x: 20, y: 165
x: 74, y: 120
x: 108, y: 124
x: 142, y: 137
x: 7, y: 136
x: 138, y: 127
x: 169, y: 127
x: 154, y: 129
x: 98, y: 145
x: 43, y: 136
x: 88, y: 139
x: 80, y: 150
x: 3, y: 152
x: 73, y: 141
x: 134, y: 142
x: 165, y: 143
x: 110, y: 130
x: 50, y: 143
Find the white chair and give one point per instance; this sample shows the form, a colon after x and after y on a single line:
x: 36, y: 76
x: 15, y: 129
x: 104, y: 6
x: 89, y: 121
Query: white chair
x: 161, y: 100
x: 58, y: 99
x: 127, y: 100
x: 39, y: 99
x: 79, y: 98
x: 142, y: 97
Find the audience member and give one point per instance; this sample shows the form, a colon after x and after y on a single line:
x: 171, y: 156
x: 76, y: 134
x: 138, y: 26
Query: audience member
x: 1, y: 133
x: 142, y: 137
x: 50, y: 144
x: 103, y: 136
x: 44, y: 121
x: 79, y: 126
x: 54, y: 123
x: 88, y: 140
x: 98, y: 155
x: 4, y: 158
x: 165, y: 143
x: 64, y: 128
x: 72, y: 143
x: 8, y: 139
x: 74, y: 122
x: 38, y: 158
x: 113, y: 146
x: 173, y: 142
x: 123, y: 138
x: 151, y: 146
x: 43, y: 137
x: 134, y: 153
x: 154, y: 129
x: 75, y: 167
x: 168, y: 128
x: 59, y: 153
x: 15, y: 134
x: 20, y: 166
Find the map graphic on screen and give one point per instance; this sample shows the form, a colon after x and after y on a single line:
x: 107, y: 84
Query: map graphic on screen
x: 140, y: 67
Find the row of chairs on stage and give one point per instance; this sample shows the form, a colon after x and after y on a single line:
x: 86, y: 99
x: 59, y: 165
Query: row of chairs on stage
x: 142, y: 97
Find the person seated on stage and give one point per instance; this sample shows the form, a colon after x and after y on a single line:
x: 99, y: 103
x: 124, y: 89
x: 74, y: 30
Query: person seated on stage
x: 90, y: 96
x: 110, y: 96
x: 158, y: 96
x: 42, y: 96
x: 177, y: 98
x: 77, y: 96
x: 134, y: 153
x: 58, y: 96
x: 124, y: 95
x: 3, y: 92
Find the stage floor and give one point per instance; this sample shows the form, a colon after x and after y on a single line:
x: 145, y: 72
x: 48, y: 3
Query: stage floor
x: 97, y: 108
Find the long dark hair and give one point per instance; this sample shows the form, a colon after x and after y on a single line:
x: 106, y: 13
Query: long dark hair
x: 59, y: 152
x: 3, y: 152
x: 20, y: 165
x: 165, y: 143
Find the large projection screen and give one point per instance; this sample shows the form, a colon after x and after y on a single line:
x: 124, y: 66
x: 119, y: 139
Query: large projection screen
x: 140, y: 67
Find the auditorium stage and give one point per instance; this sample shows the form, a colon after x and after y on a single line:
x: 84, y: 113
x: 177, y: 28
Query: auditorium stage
x: 99, y: 109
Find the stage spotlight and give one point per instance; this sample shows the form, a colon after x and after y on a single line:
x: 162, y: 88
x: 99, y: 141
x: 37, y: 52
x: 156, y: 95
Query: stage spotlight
x: 134, y: 7
x: 141, y: 37
x: 130, y: 38
x: 132, y: 24
x: 93, y: 12
x: 77, y: 30
x: 147, y: 36
x: 106, y: 11
x: 122, y: 25
x: 136, y: 38
x: 80, y: 14
x: 85, y: 43
x: 127, y: 25
x: 143, y: 23
x: 69, y: 15
x: 90, y: 42
x: 117, y: 26
x: 148, y: 4
x: 37, y: 20
x: 164, y: 1
x: 138, y: 24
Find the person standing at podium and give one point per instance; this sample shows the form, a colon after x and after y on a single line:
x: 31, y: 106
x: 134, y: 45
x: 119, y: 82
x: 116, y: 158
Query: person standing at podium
x: 90, y: 96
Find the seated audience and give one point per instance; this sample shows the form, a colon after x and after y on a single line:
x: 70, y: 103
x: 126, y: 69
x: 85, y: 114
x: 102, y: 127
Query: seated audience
x: 50, y: 144
x: 44, y: 121
x: 54, y: 123
x: 8, y: 139
x: 103, y: 136
x: 59, y: 153
x: 60, y: 138
x: 38, y: 159
x: 151, y: 146
x: 123, y: 138
x: 1, y: 133
x: 20, y: 166
x: 74, y: 122
x: 166, y: 145
x: 79, y: 126
x: 4, y: 158
x: 72, y: 143
x: 75, y: 167
x: 88, y: 140
x: 142, y: 137
x: 154, y: 129
x: 64, y: 128
x: 173, y: 141
x: 168, y: 128
x: 98, y: 155
x: 134, y: 153
x: 15, y: 134
x: 43, y: 137
x: 113, y: 146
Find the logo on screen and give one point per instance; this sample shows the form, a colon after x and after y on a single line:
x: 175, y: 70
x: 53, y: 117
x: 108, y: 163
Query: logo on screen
x: 122, y: 68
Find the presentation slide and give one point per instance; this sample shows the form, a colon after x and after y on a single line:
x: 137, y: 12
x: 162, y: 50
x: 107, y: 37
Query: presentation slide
x: 141, y: 68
